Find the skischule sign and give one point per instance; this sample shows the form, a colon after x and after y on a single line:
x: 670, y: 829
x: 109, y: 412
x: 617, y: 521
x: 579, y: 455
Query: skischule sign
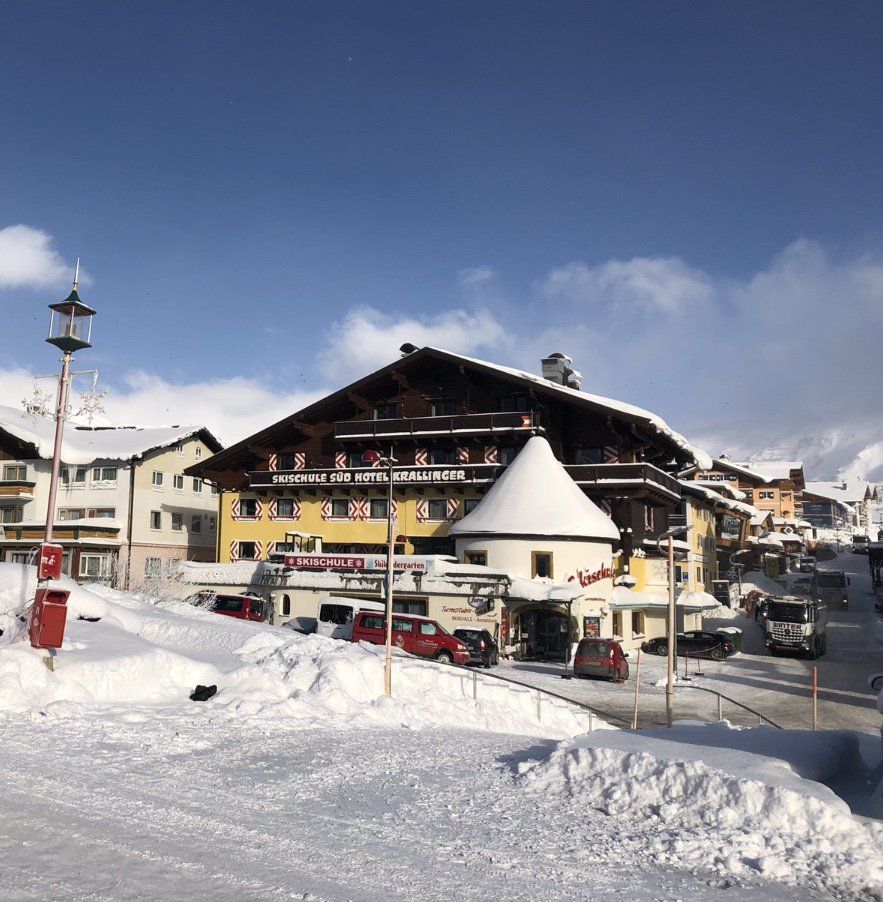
x: 368, y: 476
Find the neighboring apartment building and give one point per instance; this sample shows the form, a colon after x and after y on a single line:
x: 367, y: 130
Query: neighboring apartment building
x: 769, y: 485
x: 832, y: 504
x: 124, y: 509
x: 453, y: 424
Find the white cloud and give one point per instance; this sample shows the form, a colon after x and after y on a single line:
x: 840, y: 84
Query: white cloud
x: 28, y: 260
x: 368, y: 339
x: 663, y: 284
x: 476, y: 276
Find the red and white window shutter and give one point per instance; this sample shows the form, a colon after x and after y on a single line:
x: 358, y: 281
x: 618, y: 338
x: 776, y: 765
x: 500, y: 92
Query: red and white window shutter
x: 326, y: 508
x: 491, y: 454
x: 462, y: 455
x: 421, y: 457
x: 610, y: 454
x: 300, y: 460
x: 453, y: 507
x: 340, y: 460
x: 274, y: 461
x: 606, y: 506
x: 358, y: 508
x: 274, y: 510
x: 422, y: 510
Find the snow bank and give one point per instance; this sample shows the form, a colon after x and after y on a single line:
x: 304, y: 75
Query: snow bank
x: 718, y: 799
x: 141, y: 660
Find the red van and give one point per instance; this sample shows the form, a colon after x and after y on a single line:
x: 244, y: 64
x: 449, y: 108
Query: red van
x: 601, y: 657
x: 415, y: 635
x: 242, y: 607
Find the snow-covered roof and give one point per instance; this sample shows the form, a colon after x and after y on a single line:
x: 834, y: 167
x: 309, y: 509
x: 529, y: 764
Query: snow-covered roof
x: 844, y: 492
x: 723, y: 488
x: 702, y: 459
x: 698, y: 487
x: 85, y: 444
x: 623, y: 598
x: 535, y: 496
x: 770, y: 470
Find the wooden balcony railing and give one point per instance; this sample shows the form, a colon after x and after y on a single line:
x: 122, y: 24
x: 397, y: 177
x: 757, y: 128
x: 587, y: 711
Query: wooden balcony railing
x: 462, y: 424
x: 631, y: 479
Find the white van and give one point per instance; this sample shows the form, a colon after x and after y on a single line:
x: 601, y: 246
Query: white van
x: 335, y: 615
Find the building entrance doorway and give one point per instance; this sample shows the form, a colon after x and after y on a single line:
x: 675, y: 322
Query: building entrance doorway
x: 543, y: 635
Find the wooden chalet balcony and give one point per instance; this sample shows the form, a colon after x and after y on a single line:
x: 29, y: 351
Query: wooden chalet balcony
x: 462, y: 424
x: 16, y: 490
x: 630, y: 480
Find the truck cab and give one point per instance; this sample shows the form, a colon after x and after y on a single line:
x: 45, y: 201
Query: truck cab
x: 831, y: 588
x: 860, y: 544
x: 796, y: 624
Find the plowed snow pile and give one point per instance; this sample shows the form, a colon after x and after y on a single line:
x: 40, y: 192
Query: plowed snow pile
x: 140, y: 660
x: 688, y: 813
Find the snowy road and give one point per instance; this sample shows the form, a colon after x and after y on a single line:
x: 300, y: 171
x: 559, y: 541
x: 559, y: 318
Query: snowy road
x: 168, y: 809
x: 778, y: 687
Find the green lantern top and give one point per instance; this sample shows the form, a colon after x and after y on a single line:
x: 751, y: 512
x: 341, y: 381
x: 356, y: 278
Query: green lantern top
x: 70, y: 324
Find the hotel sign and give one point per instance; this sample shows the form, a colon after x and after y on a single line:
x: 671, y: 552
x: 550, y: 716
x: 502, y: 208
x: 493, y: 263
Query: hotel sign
x: 368, y: 476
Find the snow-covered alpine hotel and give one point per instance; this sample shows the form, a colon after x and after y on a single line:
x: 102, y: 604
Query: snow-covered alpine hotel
x: 555, y: 495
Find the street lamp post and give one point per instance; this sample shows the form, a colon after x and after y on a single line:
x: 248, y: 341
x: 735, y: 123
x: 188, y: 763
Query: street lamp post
x: 373, y: 458
x: 672, y: 619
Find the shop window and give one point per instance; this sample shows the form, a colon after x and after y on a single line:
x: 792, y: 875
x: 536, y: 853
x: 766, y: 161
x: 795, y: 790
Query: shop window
x: 385, y: 412
x: 340, y: 508
x: 638, y: 623
x: 541, y: 564
x: 617, y: 623
x: 514, y: 404
x: 177, y: 521
x: 15, y: 473
x: 409, y: 606
x: 443, y: 407
x: 479, y: 558
x: 437, y: 509
x: 378, y: 509
x: 156, y: 519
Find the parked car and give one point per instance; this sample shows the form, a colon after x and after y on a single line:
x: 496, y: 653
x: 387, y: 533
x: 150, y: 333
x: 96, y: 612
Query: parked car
x: 415, y: 635
x: 242, y: 607
x: 696, y: 643
x: 802, y: 586
x: 601, y: 657
x: 482, y: 648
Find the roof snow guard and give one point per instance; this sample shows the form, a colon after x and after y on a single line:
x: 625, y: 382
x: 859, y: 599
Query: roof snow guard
x: 535, y: 496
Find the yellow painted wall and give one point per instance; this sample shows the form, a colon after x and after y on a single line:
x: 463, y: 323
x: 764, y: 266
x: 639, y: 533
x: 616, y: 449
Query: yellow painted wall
x: 704, y: 543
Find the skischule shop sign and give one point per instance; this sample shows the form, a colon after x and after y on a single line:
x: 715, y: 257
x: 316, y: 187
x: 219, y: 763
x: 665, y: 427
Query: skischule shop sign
x: 368, y: 476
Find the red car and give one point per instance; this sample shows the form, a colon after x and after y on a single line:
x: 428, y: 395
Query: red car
x: 415, y: 635
x: 242, y: 607
x: 601, y: 657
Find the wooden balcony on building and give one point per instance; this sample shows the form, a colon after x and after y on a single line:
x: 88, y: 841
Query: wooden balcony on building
x: 16, y: 490
x: 428, y: 427
x: 628, y: 480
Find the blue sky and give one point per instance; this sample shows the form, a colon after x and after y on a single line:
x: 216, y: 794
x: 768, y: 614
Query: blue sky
x: 277, y: 192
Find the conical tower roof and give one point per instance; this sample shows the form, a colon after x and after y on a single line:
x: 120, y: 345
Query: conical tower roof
x: 535, y: 496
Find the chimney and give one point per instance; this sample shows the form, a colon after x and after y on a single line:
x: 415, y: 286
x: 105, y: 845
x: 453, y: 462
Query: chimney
x: 558, y: 368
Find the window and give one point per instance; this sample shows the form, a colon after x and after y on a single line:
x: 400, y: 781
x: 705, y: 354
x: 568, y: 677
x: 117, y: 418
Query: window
x: 541, y: 563
x: 198, y: 450
x: 617, y: 623
x: 177, y: 521
x: 437, y: 509
x: 508, y: 453
x: 286, y: 605
x: 212, y: 523
x: 179, y: 449
x: 410, y: 606
x: 284, y: 508
x: 699, y: 575
x: 340, y: 507
x: 15, y: 473
x: 378, y: 509
x: 102, y: 513
x: 79, y: 476
x: 11, y: 514
x: 588, y: 456
x: 637, y: 623
x: 768, y: 496
x: 156, y: 519
x: 153, y: 567
x: 157, y: 479
x: 172, y: 567
x: 285, y: 462
x: 71, y: 513
x: 443, y: 407
x: 178, y: 482
x: 443, y: 456
x: 195, y: 523
x: 385, y: 412
x: 680, y: 574
x: 400, y: 625
x: 428, y: 629
x: 214, y: 488
x: 95, y: 566
x: 514, y: 403
x: 197, y: 484
x: 354, y: 460
x: 104, y: 475
x: 469, y: 505
x: 479, y: 558
x: 247, y: 551
x: 374, y: 623
x: 248, y: 508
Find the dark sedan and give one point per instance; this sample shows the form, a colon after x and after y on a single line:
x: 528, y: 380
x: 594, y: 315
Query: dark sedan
x: 696, y: 644
x: 482, y: 648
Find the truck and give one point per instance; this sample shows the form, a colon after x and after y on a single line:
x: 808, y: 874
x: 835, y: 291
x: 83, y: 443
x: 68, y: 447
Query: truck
x: 860, y: 543
x: 796, y: 624
x: 831, y: 588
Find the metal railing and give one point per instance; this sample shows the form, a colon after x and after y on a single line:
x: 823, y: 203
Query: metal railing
x: 762, y: 718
